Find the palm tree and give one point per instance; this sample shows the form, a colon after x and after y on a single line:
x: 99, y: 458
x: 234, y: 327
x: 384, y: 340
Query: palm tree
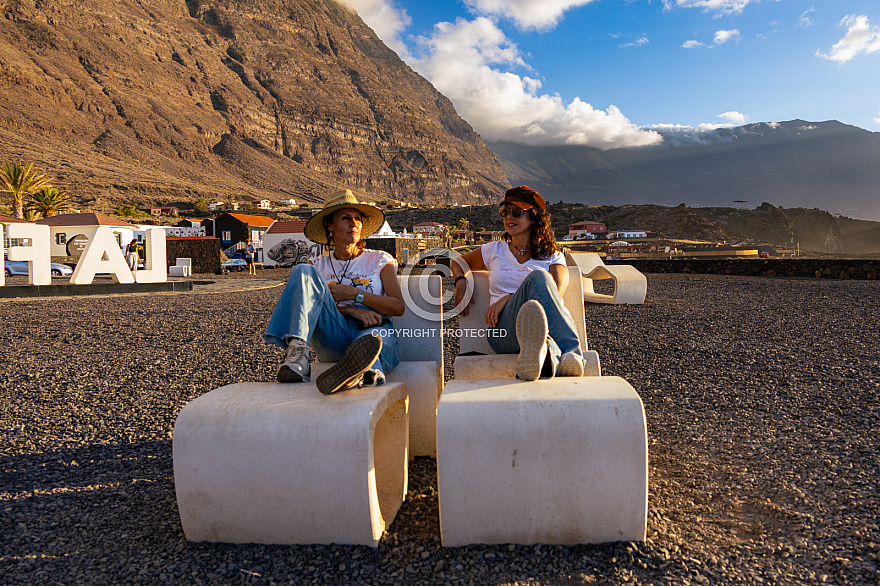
x: 21, y: 181
x: 48, y: 201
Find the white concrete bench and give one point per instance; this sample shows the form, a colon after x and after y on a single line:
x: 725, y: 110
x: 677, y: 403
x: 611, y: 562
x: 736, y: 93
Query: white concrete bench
x: 560, y: 461
x: 493, y: 365
x: 630, y: 286
x: 181, y: 268
x: 420, y: 347
x: 284, y: 464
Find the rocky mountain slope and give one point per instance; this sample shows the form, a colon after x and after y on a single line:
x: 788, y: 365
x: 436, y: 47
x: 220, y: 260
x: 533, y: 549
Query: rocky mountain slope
x: 149, y: 101
x: 827, y: 165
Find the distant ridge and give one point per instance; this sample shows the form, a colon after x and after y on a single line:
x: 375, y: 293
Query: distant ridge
x: 825, y: 165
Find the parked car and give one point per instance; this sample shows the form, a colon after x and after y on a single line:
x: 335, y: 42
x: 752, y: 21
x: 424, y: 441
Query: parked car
x: 234, y: 264
x: 20, y: 267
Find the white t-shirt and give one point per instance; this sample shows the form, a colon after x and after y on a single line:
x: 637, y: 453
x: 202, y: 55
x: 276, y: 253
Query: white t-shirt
x: 506, y: 274
x: 361, y: 271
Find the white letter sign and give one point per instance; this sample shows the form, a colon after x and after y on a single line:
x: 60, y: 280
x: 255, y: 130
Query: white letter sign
x: 102, y: 255
x: 156, y: 263
x: 37, y: 254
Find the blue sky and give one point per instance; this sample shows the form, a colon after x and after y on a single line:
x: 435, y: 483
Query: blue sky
x: 615, y: 73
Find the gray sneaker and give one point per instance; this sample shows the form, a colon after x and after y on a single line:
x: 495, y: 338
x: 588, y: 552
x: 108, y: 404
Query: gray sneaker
x: 570, y: 364
x: 296, y: 367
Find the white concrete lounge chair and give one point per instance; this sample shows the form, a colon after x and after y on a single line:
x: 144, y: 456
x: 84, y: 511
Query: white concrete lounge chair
x: 630, y: 286
x: 181, y: 268
x: 282, y: 463
x: 420, y: 347
x: 504, y: 365
x: 560, y: 461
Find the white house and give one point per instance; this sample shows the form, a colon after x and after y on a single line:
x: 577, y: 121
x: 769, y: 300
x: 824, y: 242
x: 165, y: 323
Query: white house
x: 285, y: 244
x: 618, y: 234
x: 184, y: 231
x: 425, y: 228
x: 71, y: 232
x: 291, y: 202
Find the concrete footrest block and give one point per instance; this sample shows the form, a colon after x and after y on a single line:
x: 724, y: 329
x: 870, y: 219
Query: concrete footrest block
x: 424, y: 381
x: 504, y: 366
x: 284, y: 464
x: 561, y: 461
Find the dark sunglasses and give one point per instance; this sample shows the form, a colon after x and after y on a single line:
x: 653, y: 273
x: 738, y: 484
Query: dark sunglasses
x: 515, y: 211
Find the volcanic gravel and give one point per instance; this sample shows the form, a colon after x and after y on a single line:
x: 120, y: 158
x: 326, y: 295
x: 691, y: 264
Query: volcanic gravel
x: 761, y: 396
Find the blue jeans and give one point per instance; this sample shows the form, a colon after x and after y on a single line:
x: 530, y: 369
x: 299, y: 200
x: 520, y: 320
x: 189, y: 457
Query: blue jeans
x: 306, y: 310
x: 563, y: 337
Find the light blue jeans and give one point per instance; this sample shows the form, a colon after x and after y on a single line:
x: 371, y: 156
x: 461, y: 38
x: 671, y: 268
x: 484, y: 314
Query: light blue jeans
x: 563, y: 337
x: 306, y: 310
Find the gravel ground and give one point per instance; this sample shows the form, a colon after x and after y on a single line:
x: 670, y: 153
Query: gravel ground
x: 761, y: 397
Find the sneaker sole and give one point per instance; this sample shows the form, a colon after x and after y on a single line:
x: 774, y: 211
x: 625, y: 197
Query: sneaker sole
x: 570, y: 366
x: 531, y: 333
x: 354, y: 363
x: 286, y: 374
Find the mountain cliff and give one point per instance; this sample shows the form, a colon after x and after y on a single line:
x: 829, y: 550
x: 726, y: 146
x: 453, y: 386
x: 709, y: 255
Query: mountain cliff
x: 826, y: 165
x: 149, y: 101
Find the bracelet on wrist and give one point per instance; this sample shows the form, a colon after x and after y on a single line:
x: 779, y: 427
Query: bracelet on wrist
x: 458, y: 278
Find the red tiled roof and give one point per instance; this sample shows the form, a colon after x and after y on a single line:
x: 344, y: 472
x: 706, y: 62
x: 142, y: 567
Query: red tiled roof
x: 253, y: 220
x: 9, y: 220
x: 291, y: 227
x: 84, y: 219
x: 428, y: 224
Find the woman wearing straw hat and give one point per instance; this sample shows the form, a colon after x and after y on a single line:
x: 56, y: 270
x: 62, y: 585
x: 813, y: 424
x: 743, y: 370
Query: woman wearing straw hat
x: 527, y: 276
x: 340, y: 304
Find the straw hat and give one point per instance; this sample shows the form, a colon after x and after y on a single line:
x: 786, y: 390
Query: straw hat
x: 344, y: 198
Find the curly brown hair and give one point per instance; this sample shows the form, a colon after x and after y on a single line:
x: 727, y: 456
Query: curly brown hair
x: 542, y: 241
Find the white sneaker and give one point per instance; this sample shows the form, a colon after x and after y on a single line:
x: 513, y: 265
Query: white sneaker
x: 570, y: 364
x: 296, y: 367
x: 531, y: 333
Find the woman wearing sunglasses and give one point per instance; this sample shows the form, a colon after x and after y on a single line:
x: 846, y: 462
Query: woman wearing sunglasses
x: 527, y: 276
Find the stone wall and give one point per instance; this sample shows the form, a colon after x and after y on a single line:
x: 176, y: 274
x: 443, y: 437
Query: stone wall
x: 403, y: 249
x: 782, y: 267
x: 204, y: 252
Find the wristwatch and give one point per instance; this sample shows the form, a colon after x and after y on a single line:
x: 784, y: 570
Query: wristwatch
x: 359, y: 298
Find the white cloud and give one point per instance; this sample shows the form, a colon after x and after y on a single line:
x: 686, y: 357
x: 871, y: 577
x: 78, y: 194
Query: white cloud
x: 387, y: 21
x: 736, y: 118
x: 527, y: 14
x: 706, y: 133
x: 723, y: 36
x: 720, y: 6
x: 804, y: 21
x: 860, y: 37
x: 877, y: 119
x: 637, y: 43
x: 692, y: 44
x: 462, y: 60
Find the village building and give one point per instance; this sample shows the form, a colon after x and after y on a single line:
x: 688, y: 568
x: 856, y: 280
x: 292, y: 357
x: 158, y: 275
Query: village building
x: 235, y: 229
x: 427, y: 228
x: 285, y: 244
x: 618, y: 234
x: 587, y: 228
x: 70, y: 233
x: 164, y: 211
x: 4, y: 220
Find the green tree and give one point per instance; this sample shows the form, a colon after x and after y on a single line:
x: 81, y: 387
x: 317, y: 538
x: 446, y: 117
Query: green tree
x: 21, y: 181
x: 47, y: 202
x: 201, y: 206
